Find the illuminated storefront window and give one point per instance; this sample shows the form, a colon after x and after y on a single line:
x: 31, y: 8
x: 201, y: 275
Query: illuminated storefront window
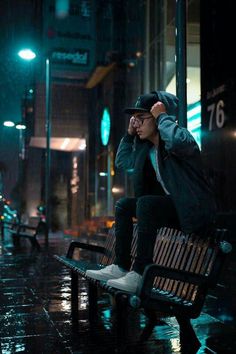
x: 194, y: 121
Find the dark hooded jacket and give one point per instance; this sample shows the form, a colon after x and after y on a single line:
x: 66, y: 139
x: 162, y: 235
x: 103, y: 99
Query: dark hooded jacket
x: 180, y: 167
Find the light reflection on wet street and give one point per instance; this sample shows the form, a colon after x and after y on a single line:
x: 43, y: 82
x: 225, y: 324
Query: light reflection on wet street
x: 35, y: 311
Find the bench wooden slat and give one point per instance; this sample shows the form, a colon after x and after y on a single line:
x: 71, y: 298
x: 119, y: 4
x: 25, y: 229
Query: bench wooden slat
x: 109, y: 255
x: 179, y: 262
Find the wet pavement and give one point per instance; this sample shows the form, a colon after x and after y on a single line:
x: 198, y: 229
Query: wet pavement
x: 35, y: 310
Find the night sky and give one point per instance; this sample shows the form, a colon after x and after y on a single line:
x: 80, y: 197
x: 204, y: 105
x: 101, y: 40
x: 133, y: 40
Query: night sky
x: 16, y: 75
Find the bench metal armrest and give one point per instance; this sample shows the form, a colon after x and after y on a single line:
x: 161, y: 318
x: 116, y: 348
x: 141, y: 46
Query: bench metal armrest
x: 154, y: 270
x: 85, y: 246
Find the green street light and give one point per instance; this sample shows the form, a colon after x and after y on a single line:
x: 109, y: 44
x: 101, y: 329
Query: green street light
x: 27, y: 54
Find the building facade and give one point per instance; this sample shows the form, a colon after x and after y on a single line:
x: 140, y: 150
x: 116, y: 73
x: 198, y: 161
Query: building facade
x: 103, y: 54
x: 145, y: 58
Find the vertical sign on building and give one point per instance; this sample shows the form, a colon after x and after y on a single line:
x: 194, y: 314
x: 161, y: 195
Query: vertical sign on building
x: 218, y: 94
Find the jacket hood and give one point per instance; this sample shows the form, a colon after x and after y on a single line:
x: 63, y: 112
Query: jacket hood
x: 145, y: 102
x: 170, y: 101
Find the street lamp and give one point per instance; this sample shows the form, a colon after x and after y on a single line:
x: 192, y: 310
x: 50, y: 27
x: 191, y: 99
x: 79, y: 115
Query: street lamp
x: 11, y: 124
x: 20, y: 126
x: 21, y: 161
x: 8, y: 123
x: 28, y: 54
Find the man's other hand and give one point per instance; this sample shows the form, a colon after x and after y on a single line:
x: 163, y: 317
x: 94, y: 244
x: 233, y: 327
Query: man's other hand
x: 131, y: 128
x: 157, y: 109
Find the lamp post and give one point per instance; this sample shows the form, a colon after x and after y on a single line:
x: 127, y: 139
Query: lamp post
x: 28, y: 54
x: 48, y: 150
x: 19, y: 188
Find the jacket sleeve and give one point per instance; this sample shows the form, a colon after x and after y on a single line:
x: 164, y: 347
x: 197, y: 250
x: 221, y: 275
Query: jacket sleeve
x: 177, y: 140
x: 125, y: 156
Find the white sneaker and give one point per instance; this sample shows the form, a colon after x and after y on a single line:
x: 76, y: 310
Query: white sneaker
x: 130, y: 282
x: 109, y: 272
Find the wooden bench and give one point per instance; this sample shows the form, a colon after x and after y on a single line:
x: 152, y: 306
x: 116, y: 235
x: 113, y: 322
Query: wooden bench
x: 29, y: 231
x: 176, y: 284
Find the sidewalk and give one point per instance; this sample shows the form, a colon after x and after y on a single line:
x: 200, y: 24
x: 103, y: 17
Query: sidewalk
x: 35, y: 311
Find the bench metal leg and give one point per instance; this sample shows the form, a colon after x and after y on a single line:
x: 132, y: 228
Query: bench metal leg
x: 35, y: 243
x: 92, y: 299
x: 188, y: 339
x: 121, y: 321
x: 74, y: 296
x: 2, y: 230
x: 153, y: 321
x: 16, y: 240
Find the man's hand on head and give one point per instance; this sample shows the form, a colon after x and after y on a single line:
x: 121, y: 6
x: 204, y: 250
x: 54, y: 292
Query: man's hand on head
x: 157, y: 109
x: 131, y: 128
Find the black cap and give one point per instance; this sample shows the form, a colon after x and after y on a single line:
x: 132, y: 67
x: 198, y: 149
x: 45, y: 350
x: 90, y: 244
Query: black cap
x: 144, y: 103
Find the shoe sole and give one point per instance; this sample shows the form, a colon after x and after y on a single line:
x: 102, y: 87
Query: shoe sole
x: 120, y: 287
x: 100, y: 277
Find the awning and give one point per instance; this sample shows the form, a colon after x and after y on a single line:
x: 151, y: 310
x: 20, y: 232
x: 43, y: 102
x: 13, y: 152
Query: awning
x: 99, y: 74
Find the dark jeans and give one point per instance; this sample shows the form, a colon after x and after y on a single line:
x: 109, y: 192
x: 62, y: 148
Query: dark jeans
x: 152, y: 213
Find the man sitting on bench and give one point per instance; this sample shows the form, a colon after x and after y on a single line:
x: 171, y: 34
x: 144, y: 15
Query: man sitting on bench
x: 171, y: 189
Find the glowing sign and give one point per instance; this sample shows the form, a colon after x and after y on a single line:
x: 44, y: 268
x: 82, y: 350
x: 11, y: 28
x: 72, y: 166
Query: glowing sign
x: 105, y: 127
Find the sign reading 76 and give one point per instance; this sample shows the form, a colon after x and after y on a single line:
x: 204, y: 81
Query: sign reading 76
x: 217, y: 115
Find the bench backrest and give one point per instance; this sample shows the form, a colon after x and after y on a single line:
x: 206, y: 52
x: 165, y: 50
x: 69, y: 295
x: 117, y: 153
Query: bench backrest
x: 196, y: 261
x: 183, y: 252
